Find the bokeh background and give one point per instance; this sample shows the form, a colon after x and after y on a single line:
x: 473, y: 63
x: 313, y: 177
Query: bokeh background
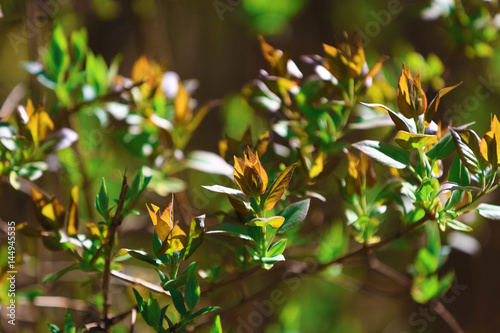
x: 215, y: 42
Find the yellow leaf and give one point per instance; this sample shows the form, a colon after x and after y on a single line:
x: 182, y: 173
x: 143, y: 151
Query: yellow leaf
x: 491, y: 139
x: 183, y: 113
x: 94, y: 229
x: 162, y: 226
x: 73, y: 216
x: 49, y: 211
x: 148, y: 72
x: 411, y: 98
x: 317, y: 166
x: 39, y: 124
x: 418, y: 141
x: 172, y: 236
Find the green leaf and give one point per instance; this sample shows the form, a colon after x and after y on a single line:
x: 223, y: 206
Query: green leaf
x: 195, y: 236
x: 333, y: 244
x: 233, y: 229
x: 294, y: 215
x: 140, y: 301
x: 217, y: 327
x: 465, y: 153
x: 491, y: 212
x: 192, y: 291
x: 277, y: 249
x: 387, y: 155
x: 55, y: 329
x: 457, y: 225
x: 273, y: 260
x: 414, y: 141
x: 153, y: 318
x: 458, y: 173
x: 139, y: 184
x: 204, y: 311
x: 102, y: 201
x: 442, y: 149
x: 278, y: 187
x: 178, y: 301
x: 51, y: 277
x: 144, y: 256
x: 69, y: 323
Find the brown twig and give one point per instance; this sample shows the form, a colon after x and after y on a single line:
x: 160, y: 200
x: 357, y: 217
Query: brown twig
x: 110, y: 241
x: 140, y: 282
x: 113, y: 320
x: 306, y: 272
x: 440, y: 309
x: 238, y: 277
x: 405, y: 282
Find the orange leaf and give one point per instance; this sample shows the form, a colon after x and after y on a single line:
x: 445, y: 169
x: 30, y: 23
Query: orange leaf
x: 278, y: 188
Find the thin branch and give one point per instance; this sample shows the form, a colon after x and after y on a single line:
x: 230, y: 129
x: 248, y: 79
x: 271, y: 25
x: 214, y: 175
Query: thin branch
x: 110, y: 241
x: 447, y: 317
x: 387, y: 271
x: 140, y: 282
x: 114, y: 320
x: 404, y: 281
x: 238, y: 277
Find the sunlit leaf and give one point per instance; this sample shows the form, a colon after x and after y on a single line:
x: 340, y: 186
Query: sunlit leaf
x: 277, y: 189
x: 414, y: 141
x: 384, y: 154
x: 73, y: 216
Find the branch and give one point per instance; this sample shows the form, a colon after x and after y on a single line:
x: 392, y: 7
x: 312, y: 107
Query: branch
x: 110, y: 241
x: 238, y: 277
x: 366, y: 248
x: 440, y: 309
x: 140, y: 282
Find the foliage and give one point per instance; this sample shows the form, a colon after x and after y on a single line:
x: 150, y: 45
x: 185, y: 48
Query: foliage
x: 416, y: 181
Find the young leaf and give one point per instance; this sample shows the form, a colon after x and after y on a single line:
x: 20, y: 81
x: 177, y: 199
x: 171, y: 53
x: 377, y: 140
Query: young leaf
x: 442, y: 149
x: 275, y: 221
x: 217, y: 328
x: 278, y: 187
x: 277, y: 248
x: 49, y: 211
x: 73, y: 216
x: 195, y: 236
x: 192, y: 291
x: 55, y: 329
x: 69, y: 323
x: 57, y: 275
x: 414, y: 141
x: 204, y: 311
x: 387, y: 155
x: 294, y: 215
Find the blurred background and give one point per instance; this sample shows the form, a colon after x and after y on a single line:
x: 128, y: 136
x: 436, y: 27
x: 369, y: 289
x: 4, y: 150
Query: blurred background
x: 215, y: 42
